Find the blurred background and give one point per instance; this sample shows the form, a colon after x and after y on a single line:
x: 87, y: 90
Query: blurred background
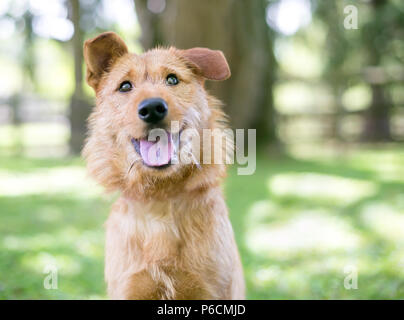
x: 327, y: 199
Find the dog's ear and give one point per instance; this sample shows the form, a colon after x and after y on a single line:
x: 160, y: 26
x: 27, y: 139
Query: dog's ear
x: 100, y: 53
x: 211, y: 64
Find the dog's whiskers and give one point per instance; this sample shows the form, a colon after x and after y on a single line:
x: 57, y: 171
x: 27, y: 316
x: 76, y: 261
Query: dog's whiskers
x: 193, y: 158
x: 187, y: 149
x: 198, y: 165
x: 131, y: 166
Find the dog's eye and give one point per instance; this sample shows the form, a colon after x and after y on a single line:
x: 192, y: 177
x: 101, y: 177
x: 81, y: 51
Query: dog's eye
x: 172, y: 80
x: 125, y: 86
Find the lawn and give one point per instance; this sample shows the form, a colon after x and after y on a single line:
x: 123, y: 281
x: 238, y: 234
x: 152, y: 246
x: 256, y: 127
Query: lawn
x: 306, y: 224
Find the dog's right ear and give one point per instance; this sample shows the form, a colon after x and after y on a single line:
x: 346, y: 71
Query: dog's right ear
x: 100, y: 53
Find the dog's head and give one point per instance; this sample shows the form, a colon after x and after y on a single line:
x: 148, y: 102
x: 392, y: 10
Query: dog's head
x: 144, y: 103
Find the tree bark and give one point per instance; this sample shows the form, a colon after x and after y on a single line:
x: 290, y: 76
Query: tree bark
x: 79, y: 106
x: 239, y: 29
x: 377, y: 116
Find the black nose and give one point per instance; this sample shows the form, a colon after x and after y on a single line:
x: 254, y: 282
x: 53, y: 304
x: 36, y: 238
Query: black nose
x: 152, y: 110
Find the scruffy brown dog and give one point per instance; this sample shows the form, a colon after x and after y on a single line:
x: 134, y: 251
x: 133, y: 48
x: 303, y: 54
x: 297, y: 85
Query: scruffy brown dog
x: 168, y: 235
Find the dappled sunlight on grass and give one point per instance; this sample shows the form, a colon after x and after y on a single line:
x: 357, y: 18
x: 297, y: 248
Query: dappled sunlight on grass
x: 48, y: 181
x: 396, y: 261
x: 299, y: 222
x: 65, y: 264
x: 385, y: 220
x: 23, y: 243
x: 261, y: 212
x: 382, y: 163
x: 312, y: 216
x: 33, y: 134
x: 50, y: 214
x: 310, y: 232
x: 310, y: 185
x: 386, y: 166
x: 84, y: 242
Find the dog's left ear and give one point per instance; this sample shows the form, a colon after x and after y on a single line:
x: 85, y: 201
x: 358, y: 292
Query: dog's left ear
x: 211, y: 64
x: 100, y: 53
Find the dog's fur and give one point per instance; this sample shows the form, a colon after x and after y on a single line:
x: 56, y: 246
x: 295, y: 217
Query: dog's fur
x: 168, y: 235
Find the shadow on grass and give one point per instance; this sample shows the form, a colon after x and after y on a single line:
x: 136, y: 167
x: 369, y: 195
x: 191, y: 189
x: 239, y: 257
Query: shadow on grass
x: 51, y: 230
x: 298, y: 223
x: 290, y: 260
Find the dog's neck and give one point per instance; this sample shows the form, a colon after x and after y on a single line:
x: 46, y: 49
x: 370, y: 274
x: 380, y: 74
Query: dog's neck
x: 192, y: 186
x: 155, y: 208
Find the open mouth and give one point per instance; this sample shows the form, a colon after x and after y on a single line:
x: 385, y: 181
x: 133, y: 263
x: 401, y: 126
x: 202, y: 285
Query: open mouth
x: 158, y: 153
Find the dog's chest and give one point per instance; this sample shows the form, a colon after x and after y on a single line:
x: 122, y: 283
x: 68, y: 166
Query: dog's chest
x: 169, y: 244
x: 155, y: 230
x: 172, y: 233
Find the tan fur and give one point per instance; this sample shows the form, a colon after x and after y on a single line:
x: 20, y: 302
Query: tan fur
x: 168, y: 236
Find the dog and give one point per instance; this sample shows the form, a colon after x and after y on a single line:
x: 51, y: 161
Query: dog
x: 168, y: 236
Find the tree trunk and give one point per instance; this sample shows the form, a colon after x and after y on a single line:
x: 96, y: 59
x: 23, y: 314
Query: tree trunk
x: 377, y: 117
x: 79, y: 106
x: 239, y: 29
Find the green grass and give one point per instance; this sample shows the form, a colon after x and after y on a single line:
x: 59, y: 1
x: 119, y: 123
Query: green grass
x: 299, y: 222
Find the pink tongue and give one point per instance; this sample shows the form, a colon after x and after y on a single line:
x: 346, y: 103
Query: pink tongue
x: 156, y: 153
